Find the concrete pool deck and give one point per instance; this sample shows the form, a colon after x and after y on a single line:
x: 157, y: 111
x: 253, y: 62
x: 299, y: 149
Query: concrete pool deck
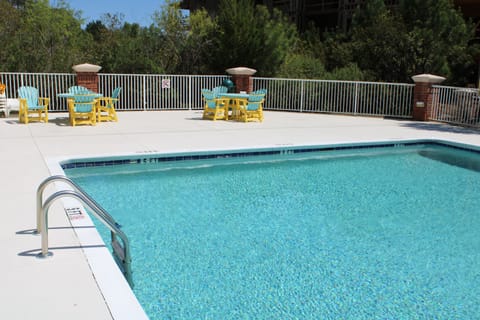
x: 63, y: 286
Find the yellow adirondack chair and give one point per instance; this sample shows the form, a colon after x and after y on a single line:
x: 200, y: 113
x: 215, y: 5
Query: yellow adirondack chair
x: 81, y: 109
x: 215, y: 108
x: 106, y: 107
x: 32, y: 107
x: 253, y: 110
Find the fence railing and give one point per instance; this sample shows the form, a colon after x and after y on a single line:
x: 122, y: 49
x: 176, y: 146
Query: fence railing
x: 139, y: 92
x: 48, y: 85
x: 158, y: 92
x: 456, y: 105
x: 344, y: 97
x: 182, y: 92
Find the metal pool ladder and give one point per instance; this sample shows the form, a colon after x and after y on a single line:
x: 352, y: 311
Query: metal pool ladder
x: 121, y: 250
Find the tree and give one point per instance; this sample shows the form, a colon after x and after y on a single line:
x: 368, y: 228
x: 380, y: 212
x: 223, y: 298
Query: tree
x: 249, y: 35
x: 301, y: 66
x: 338, y: 50
x: 172, y: 27
x: 106, y: 34
x: 438, y: 37
x: 308, y: 58
x: 16, y: 3
x: 48, y: 39
x: 379, y: 43
x: 199, y: 45
x: 9, y: 24
x: 150, y: 45
x: 424, y: 36
x: 137, y: 51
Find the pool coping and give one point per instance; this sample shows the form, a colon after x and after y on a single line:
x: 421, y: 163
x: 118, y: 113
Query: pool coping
x: 83, y: 162
x: 119, y: 297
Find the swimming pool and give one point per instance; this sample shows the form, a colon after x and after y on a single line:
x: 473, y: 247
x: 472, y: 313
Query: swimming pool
x: 352, y: 232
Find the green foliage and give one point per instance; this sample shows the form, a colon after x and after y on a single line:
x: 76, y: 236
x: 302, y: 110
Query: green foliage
x: 123, y: 47
x: 132, y: 55
x: 438, y: 36
x: 306, y: 59
x: 16, y: 3
x: 302, y: 66
x: 9, y: 24
x: 172, y: 32
x: 350, y: 72
x: 106, y: 44
x: 46, y: 39
x: 199, y: 44
x: 422, y: 36
x: 249, y: 35
x: 379, y: 43
x: 338, y: 50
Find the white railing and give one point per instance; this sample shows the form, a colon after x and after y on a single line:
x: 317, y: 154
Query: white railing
x: 158, y: 92
x: 48, y: 85
x: 182, y: 92
x: 344, y: 97
x: 456, y: 105
x: 139, y: 92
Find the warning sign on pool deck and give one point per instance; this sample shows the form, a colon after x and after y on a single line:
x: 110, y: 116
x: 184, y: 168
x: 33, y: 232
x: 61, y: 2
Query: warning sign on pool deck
x: 74, y: 213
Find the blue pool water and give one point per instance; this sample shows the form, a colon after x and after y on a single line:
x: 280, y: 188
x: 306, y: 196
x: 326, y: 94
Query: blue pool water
x: 384, y: 233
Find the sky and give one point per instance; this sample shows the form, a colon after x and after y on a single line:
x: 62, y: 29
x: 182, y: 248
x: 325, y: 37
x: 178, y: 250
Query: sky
x: 135, y: 11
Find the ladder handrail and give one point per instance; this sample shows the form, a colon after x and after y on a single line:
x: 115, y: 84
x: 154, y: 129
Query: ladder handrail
x: 75, y: 187
x: 95, y: 208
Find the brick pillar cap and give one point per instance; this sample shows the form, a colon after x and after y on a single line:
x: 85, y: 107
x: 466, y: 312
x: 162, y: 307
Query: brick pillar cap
x: 241, y: 71
x: 86, y: 67
x: 427, y: 78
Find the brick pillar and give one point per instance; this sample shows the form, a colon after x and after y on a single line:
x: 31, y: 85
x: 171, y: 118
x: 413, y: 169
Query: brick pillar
x: 242, y: 77
x: 87, y: 76
x: 423, y: 95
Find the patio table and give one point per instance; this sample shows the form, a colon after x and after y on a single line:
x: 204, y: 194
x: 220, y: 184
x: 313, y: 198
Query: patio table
x: 237, y: 101
x: 69, y: 95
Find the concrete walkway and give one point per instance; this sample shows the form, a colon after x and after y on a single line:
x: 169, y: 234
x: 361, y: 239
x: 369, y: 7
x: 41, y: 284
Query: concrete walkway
x: 63, y: 286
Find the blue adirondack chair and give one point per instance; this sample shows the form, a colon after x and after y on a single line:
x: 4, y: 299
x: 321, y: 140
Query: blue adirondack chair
x: 79, y: 90
x: 32, y: 107
x: 106, y: 106
x: 219, y: 90
x: 81, y: 109
x: 259, y: 91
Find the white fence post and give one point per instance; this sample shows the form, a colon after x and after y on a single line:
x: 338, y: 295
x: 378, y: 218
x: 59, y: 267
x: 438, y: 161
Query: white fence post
x: 302, y: 95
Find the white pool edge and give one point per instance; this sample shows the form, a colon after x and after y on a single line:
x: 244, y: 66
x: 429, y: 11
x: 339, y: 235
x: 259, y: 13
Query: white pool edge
x: 119, y: 297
